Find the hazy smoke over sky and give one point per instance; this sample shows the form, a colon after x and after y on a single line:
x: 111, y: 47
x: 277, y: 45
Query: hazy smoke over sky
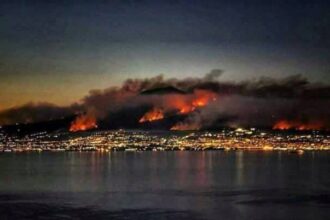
x: 258, y: 102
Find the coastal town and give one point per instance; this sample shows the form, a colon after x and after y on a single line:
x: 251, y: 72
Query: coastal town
x: 137, y: 140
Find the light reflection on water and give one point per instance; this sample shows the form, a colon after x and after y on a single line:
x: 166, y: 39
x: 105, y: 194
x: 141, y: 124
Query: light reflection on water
x: 198, y: 185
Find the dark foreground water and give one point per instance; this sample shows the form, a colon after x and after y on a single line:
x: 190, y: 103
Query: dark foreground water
x: 165, y: 185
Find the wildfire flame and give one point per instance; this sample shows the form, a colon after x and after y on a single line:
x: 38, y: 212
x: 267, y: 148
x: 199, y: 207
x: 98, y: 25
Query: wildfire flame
x: 200, y: 99
x: 153, y: 115
x: 203, y: 97
x: 292, y: 124
x: 83, y: 123
x: 180, y: 104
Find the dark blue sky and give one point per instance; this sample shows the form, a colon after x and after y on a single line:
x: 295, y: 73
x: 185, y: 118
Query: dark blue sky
x: 59, y: 50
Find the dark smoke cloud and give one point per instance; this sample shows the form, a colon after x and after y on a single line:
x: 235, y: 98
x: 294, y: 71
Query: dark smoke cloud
x: 258, y: 102
x: 247, y: 111
x: 103, y: 102
x: 295, y: 86
x: 35, y: 112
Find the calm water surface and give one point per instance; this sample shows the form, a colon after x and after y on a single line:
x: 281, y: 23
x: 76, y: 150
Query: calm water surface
x: 165, y: 185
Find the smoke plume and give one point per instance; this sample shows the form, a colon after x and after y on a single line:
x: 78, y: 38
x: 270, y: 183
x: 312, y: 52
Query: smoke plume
x: 195, y: 103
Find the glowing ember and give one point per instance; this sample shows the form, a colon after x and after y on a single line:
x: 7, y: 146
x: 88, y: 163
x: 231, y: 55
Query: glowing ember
x: 203, y: 98
x: 153, y: 115
x: 282, y: 125
x: 286, y: 125
x: 316, y: 125
x: 83, y: 123
x: 179, y: 103
x: 185, y: 127
x: 186, y: 109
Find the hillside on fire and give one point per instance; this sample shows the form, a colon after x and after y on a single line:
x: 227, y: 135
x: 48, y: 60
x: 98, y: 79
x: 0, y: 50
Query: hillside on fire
x: 290, y: 103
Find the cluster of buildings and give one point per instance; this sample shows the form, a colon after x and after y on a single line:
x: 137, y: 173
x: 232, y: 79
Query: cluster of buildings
x: 125, y: 140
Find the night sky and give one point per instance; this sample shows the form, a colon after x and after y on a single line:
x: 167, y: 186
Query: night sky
x: 59, y: 50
